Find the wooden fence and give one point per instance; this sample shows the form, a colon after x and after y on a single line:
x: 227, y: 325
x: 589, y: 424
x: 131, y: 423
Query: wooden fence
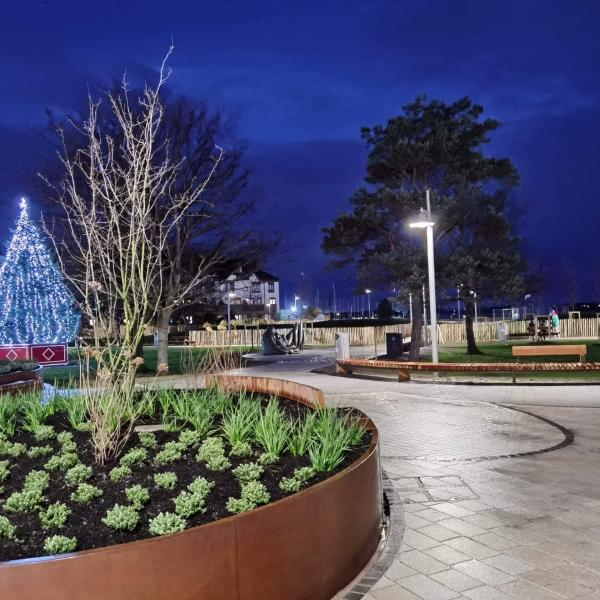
x: 368, y: 336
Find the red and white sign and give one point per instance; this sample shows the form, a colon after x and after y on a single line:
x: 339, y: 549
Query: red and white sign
x: 43, y: 354
x: 20, y: 352
x: 49, y: 354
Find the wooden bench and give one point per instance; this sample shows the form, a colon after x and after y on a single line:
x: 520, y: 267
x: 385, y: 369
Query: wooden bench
x: 552, y: 350
x: 403, y: 368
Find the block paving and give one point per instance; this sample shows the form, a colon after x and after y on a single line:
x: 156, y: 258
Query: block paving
x: 486, y: 512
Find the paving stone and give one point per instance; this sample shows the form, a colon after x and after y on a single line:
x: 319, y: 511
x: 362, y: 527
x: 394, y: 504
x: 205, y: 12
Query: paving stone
x: 439, y: 532
x: 447, y: 555
x: 398, y: 570
x: 428, y: 589
x: 508, y: 564
x: 579, y: 574
x: 494, y: 541
x: 393, y: 592
x: 433, y: 515
x: 455, y: 580
x: 421, y: 562
x: 535, y: 557
x: 415, y: 522
x: 462, y: 527
x: 527, y: 591
x: 486, y: 592
x: 483, y: 572
x: 483, y: 521
x: 471, y: 548
x: 454, y: 510
x: 418, y: 540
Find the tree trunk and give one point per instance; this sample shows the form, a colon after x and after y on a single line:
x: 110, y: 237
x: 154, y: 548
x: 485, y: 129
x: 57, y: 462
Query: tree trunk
x: 469, y: 314
x: 417, y: 325
x: 162, y: 331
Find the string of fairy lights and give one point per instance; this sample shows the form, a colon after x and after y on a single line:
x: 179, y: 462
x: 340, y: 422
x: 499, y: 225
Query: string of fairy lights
x: 35, y: 305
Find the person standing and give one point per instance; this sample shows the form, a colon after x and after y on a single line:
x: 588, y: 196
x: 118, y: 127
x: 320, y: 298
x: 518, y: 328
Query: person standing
x: 554, y: 323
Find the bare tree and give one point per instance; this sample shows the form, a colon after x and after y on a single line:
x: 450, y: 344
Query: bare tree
x: 187, y: 134
x: 120, y: 215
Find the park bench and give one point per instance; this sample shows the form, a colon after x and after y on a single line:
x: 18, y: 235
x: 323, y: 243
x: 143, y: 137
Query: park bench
x: 404, y: 368
x: 552, y: 350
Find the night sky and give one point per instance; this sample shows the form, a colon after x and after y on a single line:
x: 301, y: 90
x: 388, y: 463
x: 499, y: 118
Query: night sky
x: 302, y: 77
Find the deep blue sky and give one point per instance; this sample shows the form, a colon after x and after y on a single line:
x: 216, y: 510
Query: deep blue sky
x: 304, y: 76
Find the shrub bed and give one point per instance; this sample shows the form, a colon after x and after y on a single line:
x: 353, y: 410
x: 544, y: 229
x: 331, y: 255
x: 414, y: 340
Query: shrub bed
x: 214, y: 454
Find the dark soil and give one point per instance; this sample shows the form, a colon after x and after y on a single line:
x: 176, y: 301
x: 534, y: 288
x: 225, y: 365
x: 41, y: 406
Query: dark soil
x: 85, y: 521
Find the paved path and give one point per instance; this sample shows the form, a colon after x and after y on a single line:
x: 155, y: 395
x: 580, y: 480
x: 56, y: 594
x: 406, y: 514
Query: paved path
x: 477, y: 526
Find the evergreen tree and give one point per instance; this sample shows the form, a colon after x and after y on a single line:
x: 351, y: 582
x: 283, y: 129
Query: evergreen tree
x: 35, y: 305
x: 436, y: 146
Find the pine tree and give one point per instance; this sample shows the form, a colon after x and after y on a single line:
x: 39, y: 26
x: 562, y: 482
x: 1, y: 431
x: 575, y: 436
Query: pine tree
x: 35, y: 305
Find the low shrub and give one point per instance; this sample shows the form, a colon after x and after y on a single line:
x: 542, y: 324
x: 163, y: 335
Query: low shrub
x: 4, y: 470
x: 147, y: 439
x: 134, y: 457
x: 44, y: 433
x: 64, y: 437
x: 189, y: 438
x: 189, y: 503
x: 256, y: 492
x: 62, y: 461
x: 253, y: 494
x: 78, y: 474
x: 171, y: 452
x: 122, y: 518
x: 212, y: 452
x: 137, y: 495
x: 59, y: 544
x: 55, y: 516
x: 241, y: 449
x: 166, y: 480
x: 201, y: 486
x: 15, y: 450
x: 36, y: 480
x: 85, y: 493
x: 267, y: 459
x: 165, y: 523
x: 37, y: 451
x: 297, y: 481
x: 24, y: 501
x: 120, y: 473
x: 248, y: 472
x: 7, y: 529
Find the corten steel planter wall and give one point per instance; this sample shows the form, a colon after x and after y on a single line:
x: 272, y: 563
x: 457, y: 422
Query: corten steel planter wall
x: 20, y: 381
x: 306, y: 546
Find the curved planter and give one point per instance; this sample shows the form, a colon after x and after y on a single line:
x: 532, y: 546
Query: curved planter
x: 21, y: 381
x: 305, y: 546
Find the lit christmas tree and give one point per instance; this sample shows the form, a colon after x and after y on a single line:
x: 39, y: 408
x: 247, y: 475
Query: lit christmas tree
x: 35, y: 305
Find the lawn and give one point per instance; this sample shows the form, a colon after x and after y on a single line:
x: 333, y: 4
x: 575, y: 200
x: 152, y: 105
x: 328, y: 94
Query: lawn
x: 502, y: 352
x: 182, y: 359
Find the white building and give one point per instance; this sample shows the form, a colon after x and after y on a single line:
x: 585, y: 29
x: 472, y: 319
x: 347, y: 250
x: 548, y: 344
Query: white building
x: 252, y: 292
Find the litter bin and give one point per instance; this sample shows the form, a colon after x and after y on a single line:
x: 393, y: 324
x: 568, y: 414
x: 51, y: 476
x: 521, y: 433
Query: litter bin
x: 502, y: 333
x: 342, y: 346
x: 394, y: 345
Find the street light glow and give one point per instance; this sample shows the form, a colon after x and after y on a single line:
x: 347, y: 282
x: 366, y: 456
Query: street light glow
x: 422, y: 224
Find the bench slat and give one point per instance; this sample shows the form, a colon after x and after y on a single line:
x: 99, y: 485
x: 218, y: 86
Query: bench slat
x: 573, y: 349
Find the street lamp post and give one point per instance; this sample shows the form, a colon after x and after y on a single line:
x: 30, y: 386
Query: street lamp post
x: 458, y: 301
x: 426, y: 222
x: 368, y: 293
x: 230, y: 295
